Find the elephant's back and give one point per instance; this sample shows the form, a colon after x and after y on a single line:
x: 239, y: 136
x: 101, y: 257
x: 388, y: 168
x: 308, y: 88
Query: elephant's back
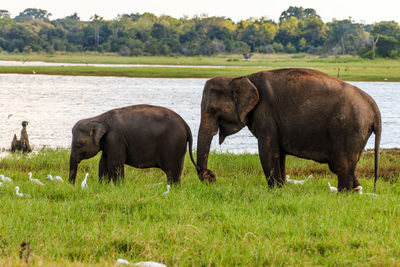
x: 144, y: 112
x: 301, y: 86
x: 147, y: 120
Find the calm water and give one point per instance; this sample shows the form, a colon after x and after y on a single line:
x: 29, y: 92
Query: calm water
x: 42, y: 63
x: 52, y: 105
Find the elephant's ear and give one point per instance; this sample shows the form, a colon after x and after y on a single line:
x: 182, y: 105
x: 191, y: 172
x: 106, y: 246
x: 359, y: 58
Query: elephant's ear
x: 245, y: 95
x: 97, y: 130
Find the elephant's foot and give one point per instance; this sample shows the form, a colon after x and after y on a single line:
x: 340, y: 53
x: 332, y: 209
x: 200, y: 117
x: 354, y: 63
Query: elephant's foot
x: 348, y: 186
x: 208, y: 176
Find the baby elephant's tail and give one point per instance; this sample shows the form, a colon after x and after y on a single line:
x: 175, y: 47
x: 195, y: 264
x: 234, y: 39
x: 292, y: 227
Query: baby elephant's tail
x: 190, y: 140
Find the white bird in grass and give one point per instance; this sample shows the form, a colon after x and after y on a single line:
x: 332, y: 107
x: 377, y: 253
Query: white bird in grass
x: 149, y: 264
x: 35, y: 181
x: 360, y: 191
x: 84, y: 182
x: 5, y: 179
x: 168, y: 187
x: 56, y: 178
x: 20, y: 194
x: 291, y: 181
x: 332, y: 188
x: 141, y: 263
x: 122, y: 261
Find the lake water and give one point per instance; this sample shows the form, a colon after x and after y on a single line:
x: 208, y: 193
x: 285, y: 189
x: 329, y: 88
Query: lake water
x: 53, y: 104
x: 42, y: 63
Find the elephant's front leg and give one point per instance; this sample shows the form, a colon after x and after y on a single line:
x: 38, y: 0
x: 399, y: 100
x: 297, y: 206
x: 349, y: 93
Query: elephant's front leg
x: 103, y: 171
x: 115, y: 153
x: 271, y: 158
x: 116, y: 158
x: 116, y: 171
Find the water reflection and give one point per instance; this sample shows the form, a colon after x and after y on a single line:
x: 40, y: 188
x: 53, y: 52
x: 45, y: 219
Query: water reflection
x: 42, y: 63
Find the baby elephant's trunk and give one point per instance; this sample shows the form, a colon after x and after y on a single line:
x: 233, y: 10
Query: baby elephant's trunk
x: 73, y: 167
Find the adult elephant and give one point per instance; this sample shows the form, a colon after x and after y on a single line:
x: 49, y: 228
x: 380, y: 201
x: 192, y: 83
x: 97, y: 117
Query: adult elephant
x: 293, y: 111
x: 141, y: 136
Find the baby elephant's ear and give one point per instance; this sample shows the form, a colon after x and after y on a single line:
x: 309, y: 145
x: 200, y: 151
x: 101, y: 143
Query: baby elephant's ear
x: 245, y: 95
x: 97, y: 130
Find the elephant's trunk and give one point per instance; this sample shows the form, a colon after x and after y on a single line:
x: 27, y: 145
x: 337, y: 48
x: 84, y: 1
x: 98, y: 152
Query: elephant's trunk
x: 73, y: 167
x: 208, y: 128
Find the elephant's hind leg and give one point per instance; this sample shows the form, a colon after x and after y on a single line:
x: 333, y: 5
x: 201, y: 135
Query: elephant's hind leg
x: 283, y: 165
x: 344, y: 165
x: 173, y: 169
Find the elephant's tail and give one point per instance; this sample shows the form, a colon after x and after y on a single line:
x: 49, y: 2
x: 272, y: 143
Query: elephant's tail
x: 377, y: 132
x: 190, y: 141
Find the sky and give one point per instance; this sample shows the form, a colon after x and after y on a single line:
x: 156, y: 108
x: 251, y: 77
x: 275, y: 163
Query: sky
x: 364, y: 11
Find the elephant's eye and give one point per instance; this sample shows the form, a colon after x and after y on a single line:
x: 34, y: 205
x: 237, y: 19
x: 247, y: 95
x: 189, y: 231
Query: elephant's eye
x: 79, y: 145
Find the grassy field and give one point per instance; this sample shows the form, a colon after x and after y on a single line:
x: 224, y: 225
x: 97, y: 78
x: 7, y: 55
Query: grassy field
x: 238, y: 221
x: 351, y: 68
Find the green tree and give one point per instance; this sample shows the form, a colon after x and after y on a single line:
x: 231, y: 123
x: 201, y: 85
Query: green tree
x: 385, y: 39
x: 4, y: 13
x: 313, y: 30
x: 299, y: 13
x: 349, y: 35
x: 32, y: 14
x: 257, y: 33
x: 96, y: 22
x: 388, y: 28
x: 288, y: 31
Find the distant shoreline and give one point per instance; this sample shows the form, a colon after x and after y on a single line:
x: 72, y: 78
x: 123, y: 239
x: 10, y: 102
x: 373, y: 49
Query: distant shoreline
x: 349, y: 68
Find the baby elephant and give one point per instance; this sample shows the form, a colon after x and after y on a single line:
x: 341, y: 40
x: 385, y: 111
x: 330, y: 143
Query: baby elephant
x: 140, y: 136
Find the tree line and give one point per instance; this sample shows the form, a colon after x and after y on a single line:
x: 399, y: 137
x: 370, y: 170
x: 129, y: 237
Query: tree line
x: 299, y: 30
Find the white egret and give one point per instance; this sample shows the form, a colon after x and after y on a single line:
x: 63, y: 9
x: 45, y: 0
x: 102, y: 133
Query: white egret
x: 360, y: 191
x: 291, y: 181
x: 58, y: 178
x: 141, y: 263
x: 35, y: 181
x: 122, y: 261
x: 20, y: 194
x: 84, y: 182
x: 168, y: 187
x: 149, y: 264
x: 332, y: 188
x: 5, y: 179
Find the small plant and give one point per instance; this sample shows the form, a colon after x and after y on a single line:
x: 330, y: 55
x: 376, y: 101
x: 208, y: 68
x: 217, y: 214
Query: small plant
x: 25, y: 251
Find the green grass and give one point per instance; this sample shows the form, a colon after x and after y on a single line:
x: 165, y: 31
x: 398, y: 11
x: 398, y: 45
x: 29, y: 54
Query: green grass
x: 148, y: 72
x: 352, y: 68
x: 238, y: 221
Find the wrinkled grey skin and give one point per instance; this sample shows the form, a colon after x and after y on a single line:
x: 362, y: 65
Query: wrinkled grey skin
x: 299, y: 112
x: 141, y: 136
